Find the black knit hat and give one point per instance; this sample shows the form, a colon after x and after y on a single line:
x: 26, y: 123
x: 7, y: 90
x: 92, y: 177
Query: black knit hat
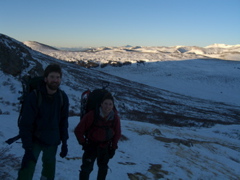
x: 108, y: 96
x: 52, y: 68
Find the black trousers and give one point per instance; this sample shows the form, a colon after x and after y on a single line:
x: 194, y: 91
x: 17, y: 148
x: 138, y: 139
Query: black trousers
x: 89, y: 156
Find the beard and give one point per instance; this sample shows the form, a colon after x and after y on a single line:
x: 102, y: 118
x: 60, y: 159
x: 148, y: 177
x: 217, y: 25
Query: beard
x: 53, y: 86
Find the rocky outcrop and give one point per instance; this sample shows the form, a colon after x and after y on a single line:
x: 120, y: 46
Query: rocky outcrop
x: 15, y: 57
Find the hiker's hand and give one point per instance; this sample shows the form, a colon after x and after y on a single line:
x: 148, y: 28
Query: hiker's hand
x: 84, y: 146
x: 111, y: 153
x: 64, y: 150
x: 88, y: 147
x: 28, y: 157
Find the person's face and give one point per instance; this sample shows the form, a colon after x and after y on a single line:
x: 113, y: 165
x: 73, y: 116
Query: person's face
x: 107, y: 106
x: 53, y: 80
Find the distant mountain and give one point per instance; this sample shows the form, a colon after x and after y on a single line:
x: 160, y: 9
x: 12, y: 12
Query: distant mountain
x: 76, y: 49
x: 223, y: 46
x: 135, y: 101
x: 120, y: 55
x: 41, y: 47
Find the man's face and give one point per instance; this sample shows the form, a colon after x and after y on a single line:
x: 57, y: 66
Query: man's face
x: 53, y: 80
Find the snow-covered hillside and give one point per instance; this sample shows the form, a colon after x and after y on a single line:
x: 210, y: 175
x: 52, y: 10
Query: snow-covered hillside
x: 138, y: 53
x: 155, y: 98
x: 208, y: 73
x: 210, y: 79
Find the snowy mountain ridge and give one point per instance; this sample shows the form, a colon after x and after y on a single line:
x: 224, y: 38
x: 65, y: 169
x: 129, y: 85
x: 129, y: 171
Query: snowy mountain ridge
x: 137, y: 53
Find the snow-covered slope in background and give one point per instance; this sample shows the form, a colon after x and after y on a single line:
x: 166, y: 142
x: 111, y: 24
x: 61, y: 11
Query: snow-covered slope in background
x: 40, y: 46
x: 189, y: 70
x: 136, y: 53
x: 210, y: 79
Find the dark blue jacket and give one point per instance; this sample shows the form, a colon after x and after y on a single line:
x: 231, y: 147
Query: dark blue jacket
x: 45, y: 122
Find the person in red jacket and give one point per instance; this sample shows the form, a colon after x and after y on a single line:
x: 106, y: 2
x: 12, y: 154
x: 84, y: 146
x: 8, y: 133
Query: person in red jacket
x: 98, y: 132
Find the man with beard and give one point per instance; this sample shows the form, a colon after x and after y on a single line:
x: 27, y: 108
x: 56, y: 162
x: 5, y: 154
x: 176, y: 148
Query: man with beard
x: 44, y: 126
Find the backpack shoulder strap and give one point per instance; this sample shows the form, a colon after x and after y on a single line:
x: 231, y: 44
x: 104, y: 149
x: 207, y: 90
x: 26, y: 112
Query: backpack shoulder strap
x: 61, y: 97
x: 39, y: 97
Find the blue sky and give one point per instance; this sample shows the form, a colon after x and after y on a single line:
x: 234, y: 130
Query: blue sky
x: 81, y: 23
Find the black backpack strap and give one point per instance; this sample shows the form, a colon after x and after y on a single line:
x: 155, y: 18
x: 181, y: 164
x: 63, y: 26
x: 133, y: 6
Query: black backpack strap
x: 39, y: 97
x: 61, y: 97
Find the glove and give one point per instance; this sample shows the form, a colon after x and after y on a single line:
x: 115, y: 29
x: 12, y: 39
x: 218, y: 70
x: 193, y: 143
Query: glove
x: 111, y: 153
x: 89, y: 147
x: 28, y: 156
x: 84, y: 145
x: 64, y: 150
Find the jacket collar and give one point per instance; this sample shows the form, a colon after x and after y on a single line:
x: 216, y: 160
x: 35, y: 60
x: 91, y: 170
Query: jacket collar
x: 109, y: 117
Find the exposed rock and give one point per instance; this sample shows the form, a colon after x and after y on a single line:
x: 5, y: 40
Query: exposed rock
x: 15, y: 57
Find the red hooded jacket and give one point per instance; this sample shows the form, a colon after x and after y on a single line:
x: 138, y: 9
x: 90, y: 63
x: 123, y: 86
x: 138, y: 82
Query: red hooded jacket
x: 94, y: 131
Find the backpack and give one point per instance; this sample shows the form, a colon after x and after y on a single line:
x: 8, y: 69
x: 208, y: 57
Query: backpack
x: 30, y: 84
x: 91, y: 100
